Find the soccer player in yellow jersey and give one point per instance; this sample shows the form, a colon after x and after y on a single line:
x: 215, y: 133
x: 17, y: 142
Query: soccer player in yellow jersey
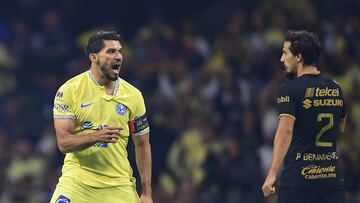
x: 94, y: 115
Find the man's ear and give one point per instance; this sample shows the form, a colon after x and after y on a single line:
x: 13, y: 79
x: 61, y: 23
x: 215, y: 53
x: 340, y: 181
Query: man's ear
x: 299, y: 58
x: 93, y: 57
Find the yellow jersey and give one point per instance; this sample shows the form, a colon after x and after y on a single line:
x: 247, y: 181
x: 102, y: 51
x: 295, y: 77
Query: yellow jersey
x: 83, y: 99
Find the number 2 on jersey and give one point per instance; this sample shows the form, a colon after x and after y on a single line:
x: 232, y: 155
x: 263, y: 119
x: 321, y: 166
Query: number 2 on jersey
x: 324, y: 129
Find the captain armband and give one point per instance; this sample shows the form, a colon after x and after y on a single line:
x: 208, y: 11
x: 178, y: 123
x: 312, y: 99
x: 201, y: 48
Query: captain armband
x: 139, y: 126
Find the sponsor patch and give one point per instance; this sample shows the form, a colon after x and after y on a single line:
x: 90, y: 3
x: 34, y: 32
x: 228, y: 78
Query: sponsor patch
x: 307, y: 103
x: 101, y: 144
x: 86, y: 125
x: 283, y: 99
x: 322, y: 102
x: 63, y: 199
x: 327, y: 92
x: 318, y: 172
x: 309, y: 92
x: 61, y: 107
x: 59, y: 94
x: 121, y: 109
x: 101, y: 126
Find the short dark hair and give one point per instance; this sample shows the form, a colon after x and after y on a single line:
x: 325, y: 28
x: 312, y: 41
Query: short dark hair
x: 96, y: 42
x: 305, y: 43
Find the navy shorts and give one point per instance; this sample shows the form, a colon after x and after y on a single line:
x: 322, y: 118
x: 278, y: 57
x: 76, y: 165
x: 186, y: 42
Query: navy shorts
x: 311, y: 194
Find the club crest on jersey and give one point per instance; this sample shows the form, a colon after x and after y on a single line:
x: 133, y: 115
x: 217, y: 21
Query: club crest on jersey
x: 63, y: 199
x: 121, y: 109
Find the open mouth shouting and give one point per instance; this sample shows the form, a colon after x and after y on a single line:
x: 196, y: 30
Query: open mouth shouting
x: 116, y: 67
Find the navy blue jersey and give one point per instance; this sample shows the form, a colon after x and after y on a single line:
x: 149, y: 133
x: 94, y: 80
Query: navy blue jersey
x: 317, y: 105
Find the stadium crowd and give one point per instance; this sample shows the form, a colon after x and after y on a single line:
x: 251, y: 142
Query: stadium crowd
x: 209, y: 81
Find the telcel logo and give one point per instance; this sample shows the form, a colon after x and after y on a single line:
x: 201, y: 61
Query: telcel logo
x: 324, y: 92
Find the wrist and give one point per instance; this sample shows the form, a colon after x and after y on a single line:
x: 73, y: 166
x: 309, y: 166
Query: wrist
x: 272, y: 172
x: 93, y: 137
x: 146, y: 192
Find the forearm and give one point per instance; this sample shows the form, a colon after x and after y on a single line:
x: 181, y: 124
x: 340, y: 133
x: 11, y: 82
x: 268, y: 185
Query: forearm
x: 282, y: 143
x: 71, y: 143
x: 143, y: 161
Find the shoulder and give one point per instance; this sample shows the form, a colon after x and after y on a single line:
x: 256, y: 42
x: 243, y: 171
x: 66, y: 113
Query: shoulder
x: 74, y: 82
x: 68, y: 89
x: 327, y: 79
x: 288, y: 86
x: 297, y: 85
x: 129, y: 88
x: 335, y: 83
x: 331, y: 82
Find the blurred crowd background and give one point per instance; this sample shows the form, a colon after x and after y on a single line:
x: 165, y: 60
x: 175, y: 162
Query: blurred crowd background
x: 209, y: 72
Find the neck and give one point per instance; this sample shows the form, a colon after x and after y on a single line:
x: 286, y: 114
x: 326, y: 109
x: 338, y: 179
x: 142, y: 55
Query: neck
x: 307, y: 70
x: 101, y: 79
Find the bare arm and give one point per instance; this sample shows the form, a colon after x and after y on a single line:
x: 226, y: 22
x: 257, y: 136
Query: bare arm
x: 69, y: 142
x: 282, y: 142
x: 143, y: 161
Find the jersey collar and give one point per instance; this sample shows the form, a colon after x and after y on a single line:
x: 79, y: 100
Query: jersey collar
x: 117, y: 83
x: 311, y: 73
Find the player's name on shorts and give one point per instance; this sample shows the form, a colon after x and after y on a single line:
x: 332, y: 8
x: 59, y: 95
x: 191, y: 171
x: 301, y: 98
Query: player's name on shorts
x: 317, y: 157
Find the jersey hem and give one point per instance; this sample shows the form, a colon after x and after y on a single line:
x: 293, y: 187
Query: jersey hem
x: 286, y: 114
x: 143, y: 132
x: 64, y: 117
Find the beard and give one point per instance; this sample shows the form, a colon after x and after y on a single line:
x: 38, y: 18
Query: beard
x: 290, y: 74
x: 107, y: 72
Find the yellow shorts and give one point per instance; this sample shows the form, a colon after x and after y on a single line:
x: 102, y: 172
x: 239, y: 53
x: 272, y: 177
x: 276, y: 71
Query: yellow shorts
x: 69, y: 190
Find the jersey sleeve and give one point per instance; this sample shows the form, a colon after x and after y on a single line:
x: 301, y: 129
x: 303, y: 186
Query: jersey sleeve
x: 286, y: 102
x: 63, y: 104
x: 138, y: 121
x: 343, y: 113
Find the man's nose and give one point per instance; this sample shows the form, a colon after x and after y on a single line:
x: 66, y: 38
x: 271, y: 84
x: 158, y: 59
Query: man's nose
x: 118, y: 56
